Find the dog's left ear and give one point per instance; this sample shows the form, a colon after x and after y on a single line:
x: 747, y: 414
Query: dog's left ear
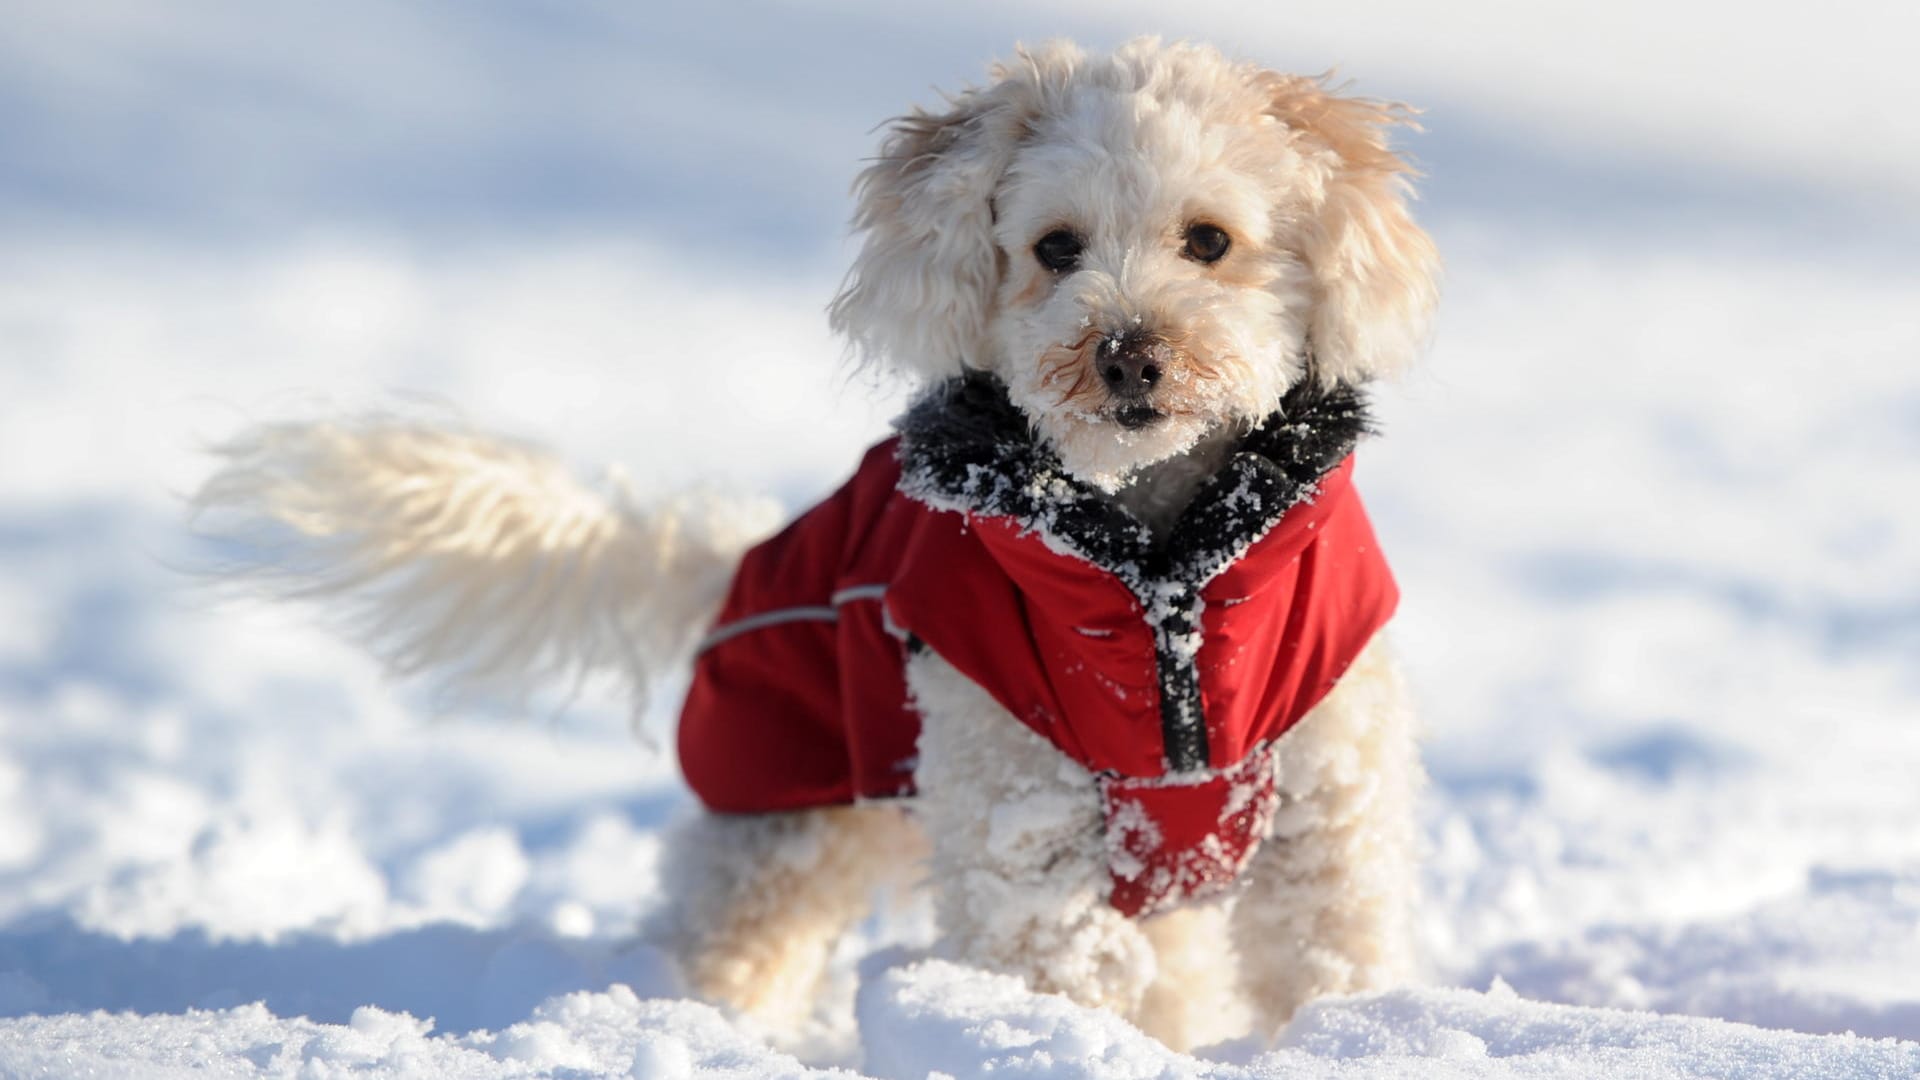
x: 1375, y: 271
x: 918, y: 296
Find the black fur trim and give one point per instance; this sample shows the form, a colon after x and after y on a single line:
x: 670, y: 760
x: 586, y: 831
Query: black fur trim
x: 964, y: 446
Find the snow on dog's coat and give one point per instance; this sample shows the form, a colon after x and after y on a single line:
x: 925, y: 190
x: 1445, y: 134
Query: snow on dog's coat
x: 1148, y: 250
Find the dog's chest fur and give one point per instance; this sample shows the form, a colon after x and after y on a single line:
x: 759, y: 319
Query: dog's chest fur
x: 1158, y: 494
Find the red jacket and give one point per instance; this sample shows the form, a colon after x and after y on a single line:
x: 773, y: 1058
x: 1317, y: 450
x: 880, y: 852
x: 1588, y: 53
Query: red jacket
x: 1166, y: 670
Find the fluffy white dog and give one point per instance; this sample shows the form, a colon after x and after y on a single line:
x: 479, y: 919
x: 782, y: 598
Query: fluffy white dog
x: 1107, y: 607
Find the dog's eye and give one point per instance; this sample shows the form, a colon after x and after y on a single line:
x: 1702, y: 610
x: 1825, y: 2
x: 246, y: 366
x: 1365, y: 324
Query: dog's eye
x: 1206, y: 243
x: 1058, y: 251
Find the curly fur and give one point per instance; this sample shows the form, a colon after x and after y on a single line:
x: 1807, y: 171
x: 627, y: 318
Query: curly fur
x: 485, y: 563
x: 1328, y: 284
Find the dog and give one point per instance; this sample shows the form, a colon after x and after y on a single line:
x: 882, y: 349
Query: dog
x: 1091, y: 648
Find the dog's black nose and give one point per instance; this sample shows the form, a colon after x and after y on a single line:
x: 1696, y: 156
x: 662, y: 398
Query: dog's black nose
x: 1131, y: 363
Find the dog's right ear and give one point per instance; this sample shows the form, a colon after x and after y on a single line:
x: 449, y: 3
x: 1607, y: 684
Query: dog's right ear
x: 917, y: 298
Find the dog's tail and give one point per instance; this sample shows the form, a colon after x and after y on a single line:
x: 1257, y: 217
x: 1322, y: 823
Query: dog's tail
x: 476, y: 561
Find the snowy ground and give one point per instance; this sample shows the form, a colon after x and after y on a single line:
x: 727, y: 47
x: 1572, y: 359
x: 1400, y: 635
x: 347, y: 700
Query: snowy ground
x: 1651, y: 502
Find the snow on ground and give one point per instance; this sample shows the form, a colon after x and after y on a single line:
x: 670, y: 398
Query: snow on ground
x: 1650, y: 501
x: 936, y: 1019
x: 581, y: 1034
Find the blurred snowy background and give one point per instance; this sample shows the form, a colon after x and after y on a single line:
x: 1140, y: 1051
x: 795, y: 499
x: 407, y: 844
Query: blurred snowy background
x: 1654, y: 501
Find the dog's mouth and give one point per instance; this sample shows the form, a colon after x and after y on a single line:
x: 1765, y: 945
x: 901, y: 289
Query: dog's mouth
x: 1137, y: 416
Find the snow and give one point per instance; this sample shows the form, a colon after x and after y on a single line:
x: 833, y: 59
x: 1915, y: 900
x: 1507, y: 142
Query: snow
x: 938, y: 1016
x: 932, y: 1018
x: 606, y: 1034
x: 1649, y: 503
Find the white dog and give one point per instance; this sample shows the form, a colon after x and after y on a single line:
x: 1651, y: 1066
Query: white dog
x: 1088, y: 608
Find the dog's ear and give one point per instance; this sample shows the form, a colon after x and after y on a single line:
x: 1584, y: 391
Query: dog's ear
x: 1375, y: 271
x: 918, y: 296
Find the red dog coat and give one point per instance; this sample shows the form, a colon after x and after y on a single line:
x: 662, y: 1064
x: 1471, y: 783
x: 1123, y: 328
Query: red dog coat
x: 1167, y: 670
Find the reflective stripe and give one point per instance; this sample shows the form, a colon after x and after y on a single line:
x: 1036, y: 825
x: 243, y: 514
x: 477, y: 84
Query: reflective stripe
x: 859, y: 592
x: 765, y: 619
x: 721, y: 634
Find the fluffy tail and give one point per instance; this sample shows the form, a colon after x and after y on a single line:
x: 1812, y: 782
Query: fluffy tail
x: 478, y: 562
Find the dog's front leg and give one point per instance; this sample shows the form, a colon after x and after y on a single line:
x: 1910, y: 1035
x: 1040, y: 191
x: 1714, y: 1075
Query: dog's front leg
x: 1019, y: 867
x: 756, y: 901
x: 1195, y: 998
x: 1329, y: 897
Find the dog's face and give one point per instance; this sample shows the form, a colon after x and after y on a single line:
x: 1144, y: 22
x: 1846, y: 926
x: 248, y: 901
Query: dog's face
x: 1141, y: 246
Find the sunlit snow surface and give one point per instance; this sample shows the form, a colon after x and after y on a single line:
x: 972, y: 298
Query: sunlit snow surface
x: 1652, y: 502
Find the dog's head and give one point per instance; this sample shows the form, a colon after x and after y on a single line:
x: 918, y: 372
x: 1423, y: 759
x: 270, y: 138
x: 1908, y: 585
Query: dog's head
x: 1141, y: 246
